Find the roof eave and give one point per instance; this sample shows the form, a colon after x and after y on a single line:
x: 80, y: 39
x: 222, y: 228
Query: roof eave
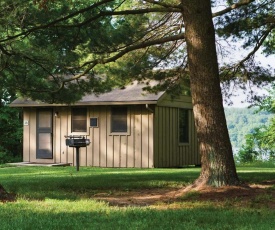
x: 22, y: 105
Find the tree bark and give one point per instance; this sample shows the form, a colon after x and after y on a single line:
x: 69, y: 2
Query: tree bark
x: 218, y: 166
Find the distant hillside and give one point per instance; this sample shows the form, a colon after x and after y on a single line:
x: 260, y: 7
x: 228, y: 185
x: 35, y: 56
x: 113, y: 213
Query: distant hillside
x: 241, y: 121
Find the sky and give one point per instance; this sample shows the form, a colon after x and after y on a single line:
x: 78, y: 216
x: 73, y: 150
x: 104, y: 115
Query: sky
x: 238, y: 101
x: 233, y: 52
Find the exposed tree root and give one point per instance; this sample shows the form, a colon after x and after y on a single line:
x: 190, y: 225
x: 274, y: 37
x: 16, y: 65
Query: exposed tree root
x: 202, y: 184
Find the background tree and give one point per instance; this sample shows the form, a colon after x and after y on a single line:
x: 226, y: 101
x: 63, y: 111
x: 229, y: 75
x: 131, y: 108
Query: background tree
x: 260, y: 143
x: 10, y: 127
x: 243, y: 121
x: 257, y: 146
x: 54, y: 48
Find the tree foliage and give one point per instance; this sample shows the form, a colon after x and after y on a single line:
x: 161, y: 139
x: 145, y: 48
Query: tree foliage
x: 260, y: 144
x: 10, y: 126
x: 61, y: 46
x: 243, y: 121
x: 46, y: 46
x: 11, y: 134
x: 253, y: 27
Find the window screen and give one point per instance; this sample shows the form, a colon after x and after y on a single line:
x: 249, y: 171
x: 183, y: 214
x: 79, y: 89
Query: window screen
x: 183, y: 126
x: 93, y: 122
x: 79, y: 120
x: 119, y: 119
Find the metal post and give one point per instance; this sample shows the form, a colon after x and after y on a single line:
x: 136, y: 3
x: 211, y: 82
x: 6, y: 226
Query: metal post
x: 77, y: 158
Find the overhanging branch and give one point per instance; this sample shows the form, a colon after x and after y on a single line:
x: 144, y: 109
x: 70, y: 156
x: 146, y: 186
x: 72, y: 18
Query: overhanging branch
x: 56, y: 22
x: 91, y: 64
x: 120, y: 13
x: 36, y: 28
x: 165, y: 5
x: 136, y: 47
x: 4, y: 51
x: 232, y: 7
x: 258, y: 45
x: 162, y: 7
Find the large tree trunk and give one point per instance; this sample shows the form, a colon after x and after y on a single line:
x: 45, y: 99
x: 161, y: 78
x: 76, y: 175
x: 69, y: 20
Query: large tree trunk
x: 218, y: 167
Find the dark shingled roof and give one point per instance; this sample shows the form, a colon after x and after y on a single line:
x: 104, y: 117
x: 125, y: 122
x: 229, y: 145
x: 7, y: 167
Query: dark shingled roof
x: 131, y: 94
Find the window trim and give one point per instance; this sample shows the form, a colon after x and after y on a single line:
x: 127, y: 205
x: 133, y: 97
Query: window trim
x: 188, y: 126
x: 128, y: 132
x: 87, y: 122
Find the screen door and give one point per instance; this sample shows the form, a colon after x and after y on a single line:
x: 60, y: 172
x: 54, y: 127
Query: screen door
x: 44, y: 140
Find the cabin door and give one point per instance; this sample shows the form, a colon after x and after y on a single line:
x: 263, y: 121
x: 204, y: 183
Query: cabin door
x: 44, y: 134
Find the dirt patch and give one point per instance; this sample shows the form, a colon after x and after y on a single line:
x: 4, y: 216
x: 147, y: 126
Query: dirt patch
x: 253, y: 195
x: 256, y: 195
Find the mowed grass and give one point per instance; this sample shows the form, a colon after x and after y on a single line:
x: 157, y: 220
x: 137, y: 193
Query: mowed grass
x: 60, y: 183
x: 61, y: 198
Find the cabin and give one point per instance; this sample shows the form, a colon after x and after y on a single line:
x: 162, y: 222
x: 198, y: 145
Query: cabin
x: 126, y: 128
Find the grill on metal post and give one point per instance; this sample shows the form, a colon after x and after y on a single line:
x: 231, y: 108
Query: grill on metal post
x: 77, y: 142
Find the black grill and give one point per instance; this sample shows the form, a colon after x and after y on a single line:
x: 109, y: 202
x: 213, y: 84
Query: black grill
x: 77, y: 142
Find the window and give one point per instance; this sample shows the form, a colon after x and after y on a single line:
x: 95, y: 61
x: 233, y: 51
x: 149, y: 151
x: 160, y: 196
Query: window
x: 93, y: 122
x: 183, y: 126
x: 119, y: 120
x: 79, y: 120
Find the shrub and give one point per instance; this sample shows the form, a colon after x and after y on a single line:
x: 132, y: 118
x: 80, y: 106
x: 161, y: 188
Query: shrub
x: 12, y: 131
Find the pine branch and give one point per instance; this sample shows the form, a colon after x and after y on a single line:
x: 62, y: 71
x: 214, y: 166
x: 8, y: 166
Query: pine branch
x: 50, y: 24
x: 232, y: 7
x: 258, y: 45
x: 56, y: 22
x: 165, y: 5
x: 91, y: 64
x: 4, y: 50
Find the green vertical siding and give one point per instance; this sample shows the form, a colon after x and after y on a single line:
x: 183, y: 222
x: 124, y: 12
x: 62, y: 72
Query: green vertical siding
x: 168, y: 151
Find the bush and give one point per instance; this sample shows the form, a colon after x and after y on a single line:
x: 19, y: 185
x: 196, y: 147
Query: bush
x: 11, y: 128
x: 255, y: 148
x: 6, y: 157
x: 3, y: 156
x: 247, y: 153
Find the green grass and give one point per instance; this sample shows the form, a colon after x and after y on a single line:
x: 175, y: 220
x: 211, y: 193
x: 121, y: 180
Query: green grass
x: 66, y: 183
x: 61, y: 198
x: 257, y: 172
x: 87, y: 214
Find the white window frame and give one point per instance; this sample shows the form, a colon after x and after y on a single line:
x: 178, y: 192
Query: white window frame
x: 87, y: 122
x: 128, y: 132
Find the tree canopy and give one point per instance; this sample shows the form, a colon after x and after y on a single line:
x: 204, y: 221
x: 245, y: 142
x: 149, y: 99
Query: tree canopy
x: 45, y: 45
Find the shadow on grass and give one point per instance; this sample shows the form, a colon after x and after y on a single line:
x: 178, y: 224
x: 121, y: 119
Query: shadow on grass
x: 39, y: 183
x: 65, y: 183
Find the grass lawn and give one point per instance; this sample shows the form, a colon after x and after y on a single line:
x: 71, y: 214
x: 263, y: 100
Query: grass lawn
x: 61, y: 198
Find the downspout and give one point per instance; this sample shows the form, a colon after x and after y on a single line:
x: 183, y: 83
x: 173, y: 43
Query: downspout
x: 149, y: 109
x: 153, y: 130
